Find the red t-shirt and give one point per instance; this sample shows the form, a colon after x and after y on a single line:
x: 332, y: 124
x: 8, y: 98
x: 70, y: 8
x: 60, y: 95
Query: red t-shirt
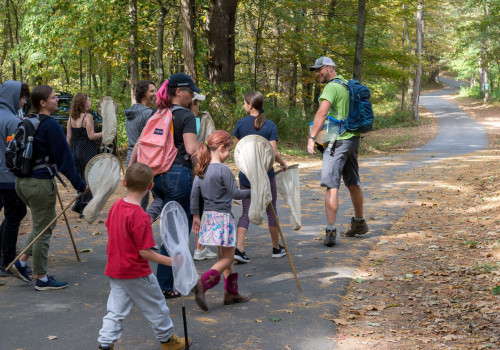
x: 129, y: 230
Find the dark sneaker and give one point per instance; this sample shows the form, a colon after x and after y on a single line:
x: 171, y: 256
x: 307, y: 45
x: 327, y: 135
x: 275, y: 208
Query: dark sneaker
x: 279, y: 252
x: 107, y: 347
x: 330, y: 235
x: 21, y: 272
x: 50, y: 284
x: 357, y: 228
x: 241, y: 256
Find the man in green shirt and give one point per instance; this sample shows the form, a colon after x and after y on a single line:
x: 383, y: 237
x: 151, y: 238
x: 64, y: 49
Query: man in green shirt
x: 340, y: 158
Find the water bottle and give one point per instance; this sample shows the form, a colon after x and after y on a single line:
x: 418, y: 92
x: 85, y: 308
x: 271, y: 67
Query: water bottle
x: 27, y: 157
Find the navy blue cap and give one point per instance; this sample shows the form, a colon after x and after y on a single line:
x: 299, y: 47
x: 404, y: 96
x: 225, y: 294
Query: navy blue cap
x: 182, y: 80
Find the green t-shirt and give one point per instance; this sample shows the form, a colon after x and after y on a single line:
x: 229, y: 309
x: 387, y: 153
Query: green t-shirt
x: 338, y: 96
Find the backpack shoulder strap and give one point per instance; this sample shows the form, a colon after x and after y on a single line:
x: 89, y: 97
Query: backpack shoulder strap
x: 338, y: 81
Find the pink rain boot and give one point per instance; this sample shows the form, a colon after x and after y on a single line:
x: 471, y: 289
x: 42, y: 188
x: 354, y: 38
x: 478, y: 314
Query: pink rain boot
x: 207, y: 281
x: 231, y: 294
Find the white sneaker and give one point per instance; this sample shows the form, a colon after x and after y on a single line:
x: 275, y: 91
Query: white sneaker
x: 205, y: 254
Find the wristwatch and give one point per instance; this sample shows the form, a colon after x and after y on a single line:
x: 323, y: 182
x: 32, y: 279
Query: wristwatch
x: 311, y: 137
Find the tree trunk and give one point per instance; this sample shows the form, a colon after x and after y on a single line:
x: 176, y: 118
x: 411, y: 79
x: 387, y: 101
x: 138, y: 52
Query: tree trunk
x: 360, y: 39
x: 65, y: 71
x: 307, y: 88
x: 11, y: 40
x: 160, y: 66
x: 81, y: 69
x: 331, y: 9
x: 90, y: 70
x: 418, y: 75
x: 145, y: 65
x: 404, y: 39
x: 188, y: 8
x: 109, y: 78
x: 277, y: 64
x: 133, y: 44
x: 293, y: 86
x: 221, y: 42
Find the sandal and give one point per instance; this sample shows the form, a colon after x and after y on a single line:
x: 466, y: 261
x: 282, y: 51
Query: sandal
x: 171, y: 294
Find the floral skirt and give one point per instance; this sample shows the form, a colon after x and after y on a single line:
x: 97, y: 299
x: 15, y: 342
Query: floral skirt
x: 217, y: 229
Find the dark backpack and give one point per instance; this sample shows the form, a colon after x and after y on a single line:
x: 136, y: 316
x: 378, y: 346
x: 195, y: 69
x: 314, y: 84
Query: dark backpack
x: 14, y: 152
x: 360, y: 117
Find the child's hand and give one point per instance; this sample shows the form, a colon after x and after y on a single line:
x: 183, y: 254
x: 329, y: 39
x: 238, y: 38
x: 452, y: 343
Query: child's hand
x: 178, y: 259
x: 196, y: 223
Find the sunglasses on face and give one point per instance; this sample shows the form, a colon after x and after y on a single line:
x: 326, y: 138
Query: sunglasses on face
x: 188, y: 90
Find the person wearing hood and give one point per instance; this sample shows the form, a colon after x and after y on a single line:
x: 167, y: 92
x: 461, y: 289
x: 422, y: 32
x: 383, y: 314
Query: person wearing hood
x: 139, y: 113
x: 13, y: 96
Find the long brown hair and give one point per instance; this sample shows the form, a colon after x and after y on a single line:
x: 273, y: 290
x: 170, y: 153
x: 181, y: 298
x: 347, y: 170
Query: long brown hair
x: 78, y: 105
x: 256, y: 100
x: 38, y: 94
x: 202, y: 155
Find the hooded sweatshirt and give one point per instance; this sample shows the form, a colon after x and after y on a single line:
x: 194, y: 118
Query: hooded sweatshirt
x: 137, y: 117
x: 10, y: 94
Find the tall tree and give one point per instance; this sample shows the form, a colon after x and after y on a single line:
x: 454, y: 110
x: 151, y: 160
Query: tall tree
x: 360, y: 40
x: 221, y: 42
x: 418, y: 73
x: 189, y: 37
x: 133, y: 44
x: 160, y: 34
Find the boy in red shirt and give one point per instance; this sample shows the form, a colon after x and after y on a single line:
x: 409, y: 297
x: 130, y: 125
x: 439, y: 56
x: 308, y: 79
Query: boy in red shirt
x: 130, y: 239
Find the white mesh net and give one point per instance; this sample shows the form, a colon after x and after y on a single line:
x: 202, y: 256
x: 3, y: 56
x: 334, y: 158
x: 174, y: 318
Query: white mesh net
x: 288, y: 185
x: 102, y: 174
x: 174, y: 231
x: 107, y: 109
x: 254, y: 156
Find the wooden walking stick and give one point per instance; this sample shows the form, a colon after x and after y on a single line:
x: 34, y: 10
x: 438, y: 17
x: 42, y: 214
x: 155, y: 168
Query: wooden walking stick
x: 41, y: 233
x: 286, y: 249
x: 67, y: 225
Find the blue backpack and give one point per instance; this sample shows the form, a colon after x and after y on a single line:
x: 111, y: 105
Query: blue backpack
x: 360, y: 117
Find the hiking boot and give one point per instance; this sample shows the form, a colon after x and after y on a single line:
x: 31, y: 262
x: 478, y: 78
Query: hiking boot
x: 357, y: 228
x: 175, y: 343
x: 21, y: 272
x: 106, y: 347
x: 50, y: 284
x: 241, y: 256
x: 205, y: 254
x: 231, y: 294
x: 330, y: 235
x: 279, y: 252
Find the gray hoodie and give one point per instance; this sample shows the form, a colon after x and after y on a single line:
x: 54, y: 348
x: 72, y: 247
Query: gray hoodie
x: 137, y: 117
x: 10, y: 94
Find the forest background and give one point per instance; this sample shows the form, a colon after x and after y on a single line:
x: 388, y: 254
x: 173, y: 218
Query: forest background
x: 230, y: 47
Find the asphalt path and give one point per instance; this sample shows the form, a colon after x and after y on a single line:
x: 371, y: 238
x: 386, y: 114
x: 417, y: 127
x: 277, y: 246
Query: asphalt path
x: 277, y: 316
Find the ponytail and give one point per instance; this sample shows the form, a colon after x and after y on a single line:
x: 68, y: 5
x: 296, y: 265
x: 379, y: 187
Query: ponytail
x: 256, y: 100
x: 201, y: 159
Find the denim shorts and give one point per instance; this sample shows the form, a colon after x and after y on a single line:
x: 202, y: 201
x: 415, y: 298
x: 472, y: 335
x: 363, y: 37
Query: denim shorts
x: 341, y: 161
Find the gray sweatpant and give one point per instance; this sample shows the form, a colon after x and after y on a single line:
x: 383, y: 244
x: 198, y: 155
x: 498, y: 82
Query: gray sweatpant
x: 144, y: 292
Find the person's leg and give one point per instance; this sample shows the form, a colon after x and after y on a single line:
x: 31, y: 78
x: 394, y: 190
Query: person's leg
x: 175, y: 185
x: 331, y: 204
x: 40, y: 196
x: 146, y: 294
x: 14, y: 211
x: 242, y: 229
x: 353, y: 183
x: 119, y: 307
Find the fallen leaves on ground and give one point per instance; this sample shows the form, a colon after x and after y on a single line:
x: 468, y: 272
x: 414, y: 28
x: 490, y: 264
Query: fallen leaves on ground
x: 433, y: 280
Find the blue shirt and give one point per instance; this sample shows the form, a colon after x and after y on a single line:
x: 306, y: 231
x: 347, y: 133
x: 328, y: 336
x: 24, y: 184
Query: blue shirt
x: 244, y: 127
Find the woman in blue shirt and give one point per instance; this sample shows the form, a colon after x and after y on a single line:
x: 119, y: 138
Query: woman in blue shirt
x: 257, y: 124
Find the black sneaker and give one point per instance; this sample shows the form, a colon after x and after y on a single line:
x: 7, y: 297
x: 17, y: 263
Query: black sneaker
x: 329, y: 240
x: 21, y: 272
x: 241, y: 256
x: 50, y: 284
x: 279, y: 252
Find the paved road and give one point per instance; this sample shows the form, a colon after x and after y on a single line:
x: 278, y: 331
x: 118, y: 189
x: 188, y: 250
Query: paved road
x: 74, y: 315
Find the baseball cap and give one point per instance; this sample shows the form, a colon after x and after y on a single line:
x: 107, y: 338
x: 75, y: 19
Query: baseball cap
x: 199, y: 97
x: 322, y: 61
x: 182, y: 80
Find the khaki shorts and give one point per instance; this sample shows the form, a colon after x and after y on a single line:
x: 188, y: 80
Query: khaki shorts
x: 341, y: 161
